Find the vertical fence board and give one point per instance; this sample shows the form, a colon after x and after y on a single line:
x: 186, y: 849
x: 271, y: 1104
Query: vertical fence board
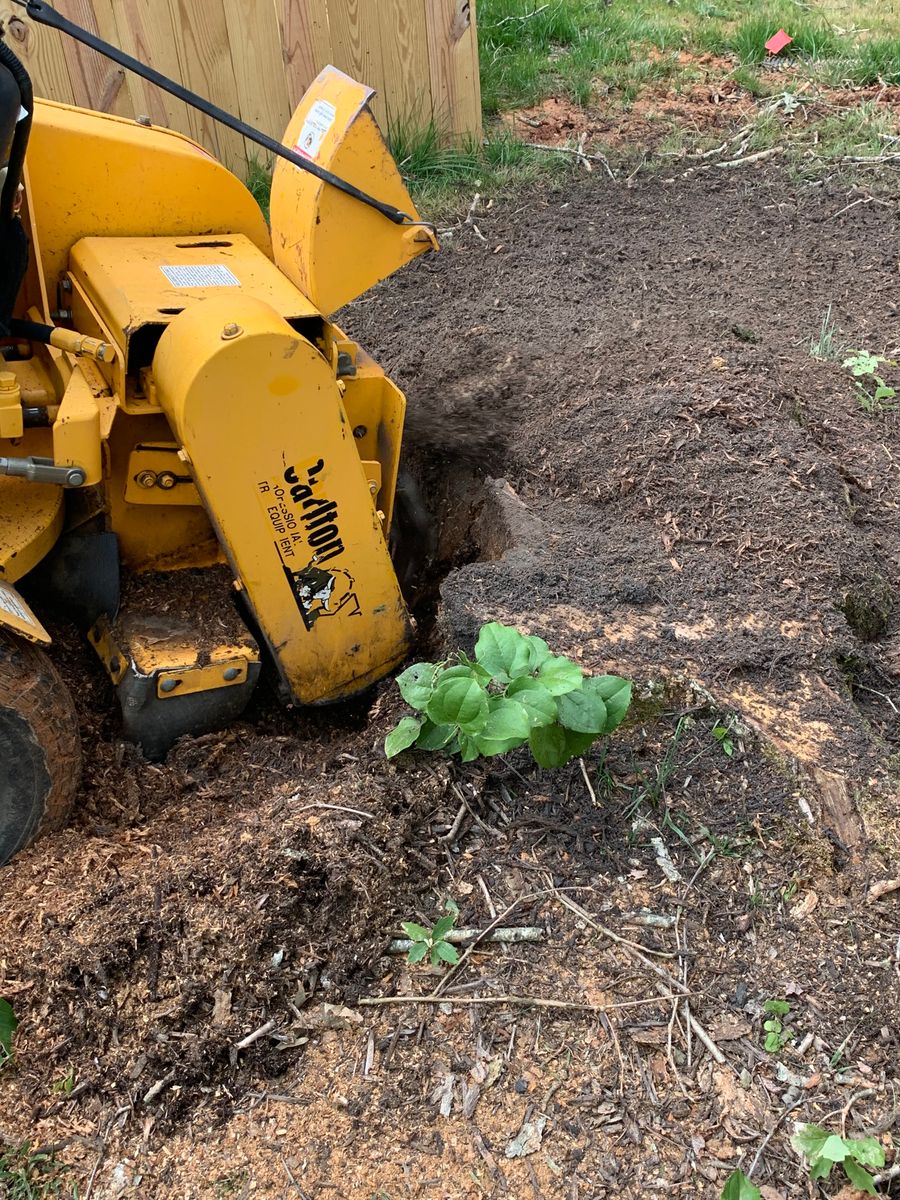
x: 43, y: 51
x: 258, y: 65
x: 453, y: 60
x: 96, y: 82
x: 257, y: 57
x: 356, y: 45
x: 151, y: 38
x: 204, y: 52
x: 404, y: 50
x: 306, y: 43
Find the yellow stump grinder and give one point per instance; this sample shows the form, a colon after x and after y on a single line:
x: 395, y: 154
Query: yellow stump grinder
x: 196, y: 464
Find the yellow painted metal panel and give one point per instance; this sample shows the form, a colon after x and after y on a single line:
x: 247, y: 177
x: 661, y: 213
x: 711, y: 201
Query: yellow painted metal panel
x: 31, y: 517
x: 17, y: 616
x: 329, y: 244
x: 291, y: 505
x: 162, y: 184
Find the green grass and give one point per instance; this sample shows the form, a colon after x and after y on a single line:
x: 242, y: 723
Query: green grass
x: 27, y: 1174
x: 877, y: 61
x: 813, y: 38
x: 259, y: 184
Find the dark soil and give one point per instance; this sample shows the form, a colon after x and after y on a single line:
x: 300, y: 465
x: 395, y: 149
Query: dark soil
x: 691, y: 499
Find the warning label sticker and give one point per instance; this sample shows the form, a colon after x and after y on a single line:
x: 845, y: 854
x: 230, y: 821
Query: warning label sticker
x: 315, y: 127
x: 11, y: 603
x: 201, y: 275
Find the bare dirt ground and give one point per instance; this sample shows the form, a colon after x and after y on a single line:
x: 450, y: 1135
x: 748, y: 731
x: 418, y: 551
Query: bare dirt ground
x: 688, y: 498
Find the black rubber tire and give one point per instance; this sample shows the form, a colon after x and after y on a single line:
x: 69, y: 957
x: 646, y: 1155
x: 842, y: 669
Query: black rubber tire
x: 40, y: 747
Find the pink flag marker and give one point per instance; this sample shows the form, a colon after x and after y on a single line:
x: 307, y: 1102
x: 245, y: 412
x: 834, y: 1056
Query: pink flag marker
x: 778, y: 41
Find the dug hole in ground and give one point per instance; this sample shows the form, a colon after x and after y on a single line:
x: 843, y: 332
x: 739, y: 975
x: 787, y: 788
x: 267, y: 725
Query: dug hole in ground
x: 635, y: 456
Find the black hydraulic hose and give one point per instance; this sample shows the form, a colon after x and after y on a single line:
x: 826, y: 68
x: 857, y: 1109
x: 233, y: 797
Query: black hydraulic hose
x: 31, y: 331
x: 20, y: 140
x: 41, y: 12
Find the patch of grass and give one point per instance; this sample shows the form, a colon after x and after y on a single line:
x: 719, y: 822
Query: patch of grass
x: 812, y: 36
x: 440, y: 177
x: 877, y: 61
x: 29, y: 1174
x: 747, y: 78
x: 259, y: 184
x: 824, y: 346
x: 857, y: 131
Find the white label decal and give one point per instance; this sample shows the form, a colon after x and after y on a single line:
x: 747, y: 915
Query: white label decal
x: 315, y: 127
x: 201, y: 276
x: 10, y: 603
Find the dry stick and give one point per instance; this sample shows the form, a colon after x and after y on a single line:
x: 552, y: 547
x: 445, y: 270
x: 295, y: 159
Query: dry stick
x: 611, y: 1030
x: 457, y: 967
x: 524, y: 1001
x: 99, y: 1159
x: 290, y: 1175
x: 461, y: 937
x: 580, y: 154
x: 591, y: 792
x: 357, y: 812
x: 454, y: 828
x: 641, y: 952
x: 778, y: 1122
x: 255, y: 1036
x: 615, y: 937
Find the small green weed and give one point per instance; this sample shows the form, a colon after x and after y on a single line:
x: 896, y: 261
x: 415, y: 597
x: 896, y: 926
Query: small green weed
x: 722, y: 734
x: 823, y: 1150
x: 432, y: 943
x: 66, y: 1085
x: 739, y: 1187
x: 823, y: 346
x: 8, y: 1024
x: 515, y: 691
x: 777, y: 1034
x: 875, y: 395
x: 27, y: 1174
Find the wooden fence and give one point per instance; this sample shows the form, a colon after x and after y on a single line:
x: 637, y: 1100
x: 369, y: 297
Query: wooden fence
x: 255, y: 58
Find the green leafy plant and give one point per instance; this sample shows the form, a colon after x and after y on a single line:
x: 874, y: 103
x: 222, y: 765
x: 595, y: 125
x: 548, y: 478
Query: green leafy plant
x: 875, y: 395
x: 823, y: 1150
x: 8, y: 1025
x: 432, y: 943
x: 722, y: 734
x: 738, y: 1187
x: 66, y: 1085
x: 514, y: 691
x: 777, y: 1034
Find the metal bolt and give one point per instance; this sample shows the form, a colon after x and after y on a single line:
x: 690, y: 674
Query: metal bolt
x: 231, y: 331
x: 373, y: 487
x: 144, y: 120
x: 360, y: 431
x: 166, y: 480
x: 66, y: 284
x: 230, y: 673
x: 169, y: 685
x: 145, y: 479
x: 61, y: 314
